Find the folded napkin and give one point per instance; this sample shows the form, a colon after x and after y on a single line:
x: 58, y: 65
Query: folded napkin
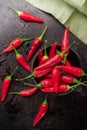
x: 71, y: 13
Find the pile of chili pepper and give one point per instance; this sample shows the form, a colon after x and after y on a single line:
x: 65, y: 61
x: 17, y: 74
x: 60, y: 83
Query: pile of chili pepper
x: 54, y: 71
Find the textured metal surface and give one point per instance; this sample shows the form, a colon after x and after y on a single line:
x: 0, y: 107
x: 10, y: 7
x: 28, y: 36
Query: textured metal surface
x: 67, y: 112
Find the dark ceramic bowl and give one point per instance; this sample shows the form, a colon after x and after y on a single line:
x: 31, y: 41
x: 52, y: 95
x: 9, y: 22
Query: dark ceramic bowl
x: 73, y: 57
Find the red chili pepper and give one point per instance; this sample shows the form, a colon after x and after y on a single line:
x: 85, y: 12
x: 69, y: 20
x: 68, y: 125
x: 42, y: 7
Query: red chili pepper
x: 40, y: 55
x: 53, y: 50
x: 48, y: 76
x: 75, y: 71
x: 68, y: 79
x: 48, y: 90
x: 26, y: 16
x: 45, y: 56
x: 65, y: 41
x: 41, y: 112
x: 56, y: 79
x: 21, y: 60
x: 67, y: 63
x: 65, y: 88
x: 43, y: 83
x: 62, y: 87
x: 57, y: 58
x: 50, y: 62
x: 26, y: 92
x: 37, y: 74
x: 16, y: 43
x: 36, y: 44
x: 5, y: 85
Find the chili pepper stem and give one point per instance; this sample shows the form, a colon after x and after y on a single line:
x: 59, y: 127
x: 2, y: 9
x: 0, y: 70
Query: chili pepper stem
x: 41, y: 36
x: 25, y: 39
x: 62, y: 53
x: 14, y: 71
x: 74, y: 86
x: 45, y: 100
x: 28, y: 84
x: 14, y: 93
x: 45, y: 51
x: 16, y: 52
x: 15, y: 10
x: 27, y: 77
x: 10, y: 76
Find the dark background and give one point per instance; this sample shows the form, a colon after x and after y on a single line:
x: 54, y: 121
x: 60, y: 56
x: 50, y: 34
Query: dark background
x: 67, y: 112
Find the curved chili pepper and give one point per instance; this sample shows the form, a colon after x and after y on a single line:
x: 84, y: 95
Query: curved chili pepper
x: 50, y: 62
x: 36, y: 44
x: 75, y: 71
x: 53, y: 50
x: 21, y: 60
x: 45, y: 56
x: 37, y: 74
x: 26, y: 16
x: 5, y: 85
x: 56, y: 79
x: 26, y: 92
x: 40, y: 55
x: 17, y: 42
x: 41, y: 112
x: 57, y: 58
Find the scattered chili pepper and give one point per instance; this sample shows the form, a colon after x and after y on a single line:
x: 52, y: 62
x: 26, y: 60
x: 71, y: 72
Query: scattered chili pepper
x: 16, y: 43
x: 36, y: 44
x: 26, y: 16
x: 37, y: 74
x: 40, y: 55
x: 53, y: 50
x: 75, y: 71
x: 45, y: 56
x: 26, y: 92
x: 5, y: 85
x: 56, y: 79
x: 21, y: 60
x: 57, y: 58
x: 41, y: 112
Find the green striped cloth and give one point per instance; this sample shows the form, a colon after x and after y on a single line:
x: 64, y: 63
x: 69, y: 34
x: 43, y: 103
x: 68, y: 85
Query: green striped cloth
x: 71, y: 13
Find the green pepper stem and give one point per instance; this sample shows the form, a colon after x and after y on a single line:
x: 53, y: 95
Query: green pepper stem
x: 27, y: 77
x: 62, y: 53
x: 41, y: 36
x: 15, y: 10
x: 16, y: 52
x: 45, y: 100
x: 74, y: 86
x: 14, y: 93
x: 14, y: 71
x: 45, y: 50
x: 25, y: 39
x: 28, y: 84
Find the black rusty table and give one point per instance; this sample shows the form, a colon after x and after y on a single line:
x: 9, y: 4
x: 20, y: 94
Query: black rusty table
x: 67, y: 112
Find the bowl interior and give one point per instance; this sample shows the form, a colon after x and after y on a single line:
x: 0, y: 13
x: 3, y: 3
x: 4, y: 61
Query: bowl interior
x: 72, y: 57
